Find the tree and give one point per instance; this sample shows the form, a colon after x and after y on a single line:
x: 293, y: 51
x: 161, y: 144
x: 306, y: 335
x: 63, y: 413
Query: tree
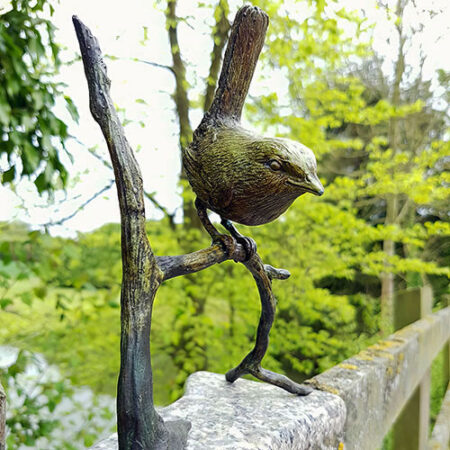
x: 411, y: 137
x: 187, y: 356
x: 380, y: 147
x: 33, y: 138
x: 404, y: 146
x: 181, y: 94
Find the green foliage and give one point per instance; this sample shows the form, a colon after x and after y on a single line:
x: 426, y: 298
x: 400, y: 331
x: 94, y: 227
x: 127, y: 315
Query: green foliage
x: 347, y: 118
x: 44, y: 411
x: 32, y: 137
x: 207, y: 321
x: 25, y: 419
x: 15, y: 242
x: 333, y: 246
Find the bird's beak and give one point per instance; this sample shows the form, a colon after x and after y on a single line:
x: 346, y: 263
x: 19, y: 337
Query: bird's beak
x: 309, y: 184
x: 313, y: 184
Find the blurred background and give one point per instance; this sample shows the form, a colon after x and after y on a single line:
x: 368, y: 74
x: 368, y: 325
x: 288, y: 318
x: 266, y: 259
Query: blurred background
x: 364, y: 84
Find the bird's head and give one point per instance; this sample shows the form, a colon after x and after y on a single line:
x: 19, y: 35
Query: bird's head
x: 292, y: 164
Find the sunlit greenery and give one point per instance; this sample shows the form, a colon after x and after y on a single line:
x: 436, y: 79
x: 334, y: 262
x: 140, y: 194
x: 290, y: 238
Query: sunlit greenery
x: 382, y: 145
x: 32, y: 137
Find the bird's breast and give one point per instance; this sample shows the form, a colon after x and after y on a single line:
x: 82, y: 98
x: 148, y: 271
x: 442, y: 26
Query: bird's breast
x: 226, y: 176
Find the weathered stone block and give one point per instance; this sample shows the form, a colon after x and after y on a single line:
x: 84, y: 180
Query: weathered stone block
x: 440, y: 438
x: 376, y: 383
x: 251, y: 415
x: 355, y: 403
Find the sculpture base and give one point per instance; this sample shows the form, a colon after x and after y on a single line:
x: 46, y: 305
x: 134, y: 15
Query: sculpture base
x: 248, y: 414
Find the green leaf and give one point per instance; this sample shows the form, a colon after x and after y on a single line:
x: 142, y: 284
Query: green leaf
x: 4, y: 302
x: 8, y: 176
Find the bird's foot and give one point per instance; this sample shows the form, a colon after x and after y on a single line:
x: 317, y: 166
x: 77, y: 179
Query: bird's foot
x: 248, y: 243
x: 227, y: 242
x: 249, y: 246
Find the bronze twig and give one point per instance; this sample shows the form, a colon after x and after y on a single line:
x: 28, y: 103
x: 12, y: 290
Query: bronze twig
x: 139, y: 425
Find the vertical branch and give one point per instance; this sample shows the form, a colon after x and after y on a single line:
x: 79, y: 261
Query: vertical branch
x: 179, y: 70
x: 139, y: 426
x: 392, y: 200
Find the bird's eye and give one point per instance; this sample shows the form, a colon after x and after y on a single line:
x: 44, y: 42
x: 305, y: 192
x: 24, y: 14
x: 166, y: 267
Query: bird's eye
x: 274, y: 165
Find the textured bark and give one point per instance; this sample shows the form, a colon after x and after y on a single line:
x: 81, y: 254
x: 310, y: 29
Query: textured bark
x: 181, y: 100
x: 174, y: 266
x: 179, y: 70
x: 392, y: 207
x: 387, y: 277
x: 139, y: 425
x: 190, y: 217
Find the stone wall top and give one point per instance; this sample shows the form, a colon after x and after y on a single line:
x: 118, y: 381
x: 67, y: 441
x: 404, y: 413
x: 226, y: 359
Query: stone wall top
x: 252, y: 415
x: 376, y: 383
x: 354, y: 403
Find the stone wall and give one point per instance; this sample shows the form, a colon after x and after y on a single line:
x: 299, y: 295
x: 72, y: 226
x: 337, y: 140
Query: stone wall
x: 353, y: 405
x: 252, y: 415
x: 440, y: 438
x: 376, y: 383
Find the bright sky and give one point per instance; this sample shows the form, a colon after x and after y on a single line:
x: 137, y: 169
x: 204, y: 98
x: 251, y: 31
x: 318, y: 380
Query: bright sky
x: 119, y: 27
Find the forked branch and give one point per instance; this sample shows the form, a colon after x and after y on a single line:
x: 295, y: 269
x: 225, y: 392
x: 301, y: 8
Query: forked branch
x: 251, y: 364
x: 139, y: 425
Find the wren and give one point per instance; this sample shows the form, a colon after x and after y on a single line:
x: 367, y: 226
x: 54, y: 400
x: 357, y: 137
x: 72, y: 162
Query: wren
x: 246, y: 178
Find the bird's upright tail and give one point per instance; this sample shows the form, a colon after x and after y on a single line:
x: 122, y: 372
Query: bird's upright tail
x: 242, y: 53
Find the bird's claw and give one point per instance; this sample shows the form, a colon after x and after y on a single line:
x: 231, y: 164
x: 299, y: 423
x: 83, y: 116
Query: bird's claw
x: 248, y: 243
x: 227, y: 242
x: 249, y: 246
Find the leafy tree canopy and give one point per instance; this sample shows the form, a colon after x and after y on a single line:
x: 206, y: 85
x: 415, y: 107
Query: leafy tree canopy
x: 31, y: 136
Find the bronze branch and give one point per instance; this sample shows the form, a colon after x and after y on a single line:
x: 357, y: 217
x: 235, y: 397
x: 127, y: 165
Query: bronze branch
x: 139, y: 425
x: 223, y: 165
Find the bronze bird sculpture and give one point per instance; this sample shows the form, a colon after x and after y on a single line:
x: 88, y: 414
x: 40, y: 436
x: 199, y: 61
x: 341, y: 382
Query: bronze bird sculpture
x: 246, y: 178
x: 243, y: 177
